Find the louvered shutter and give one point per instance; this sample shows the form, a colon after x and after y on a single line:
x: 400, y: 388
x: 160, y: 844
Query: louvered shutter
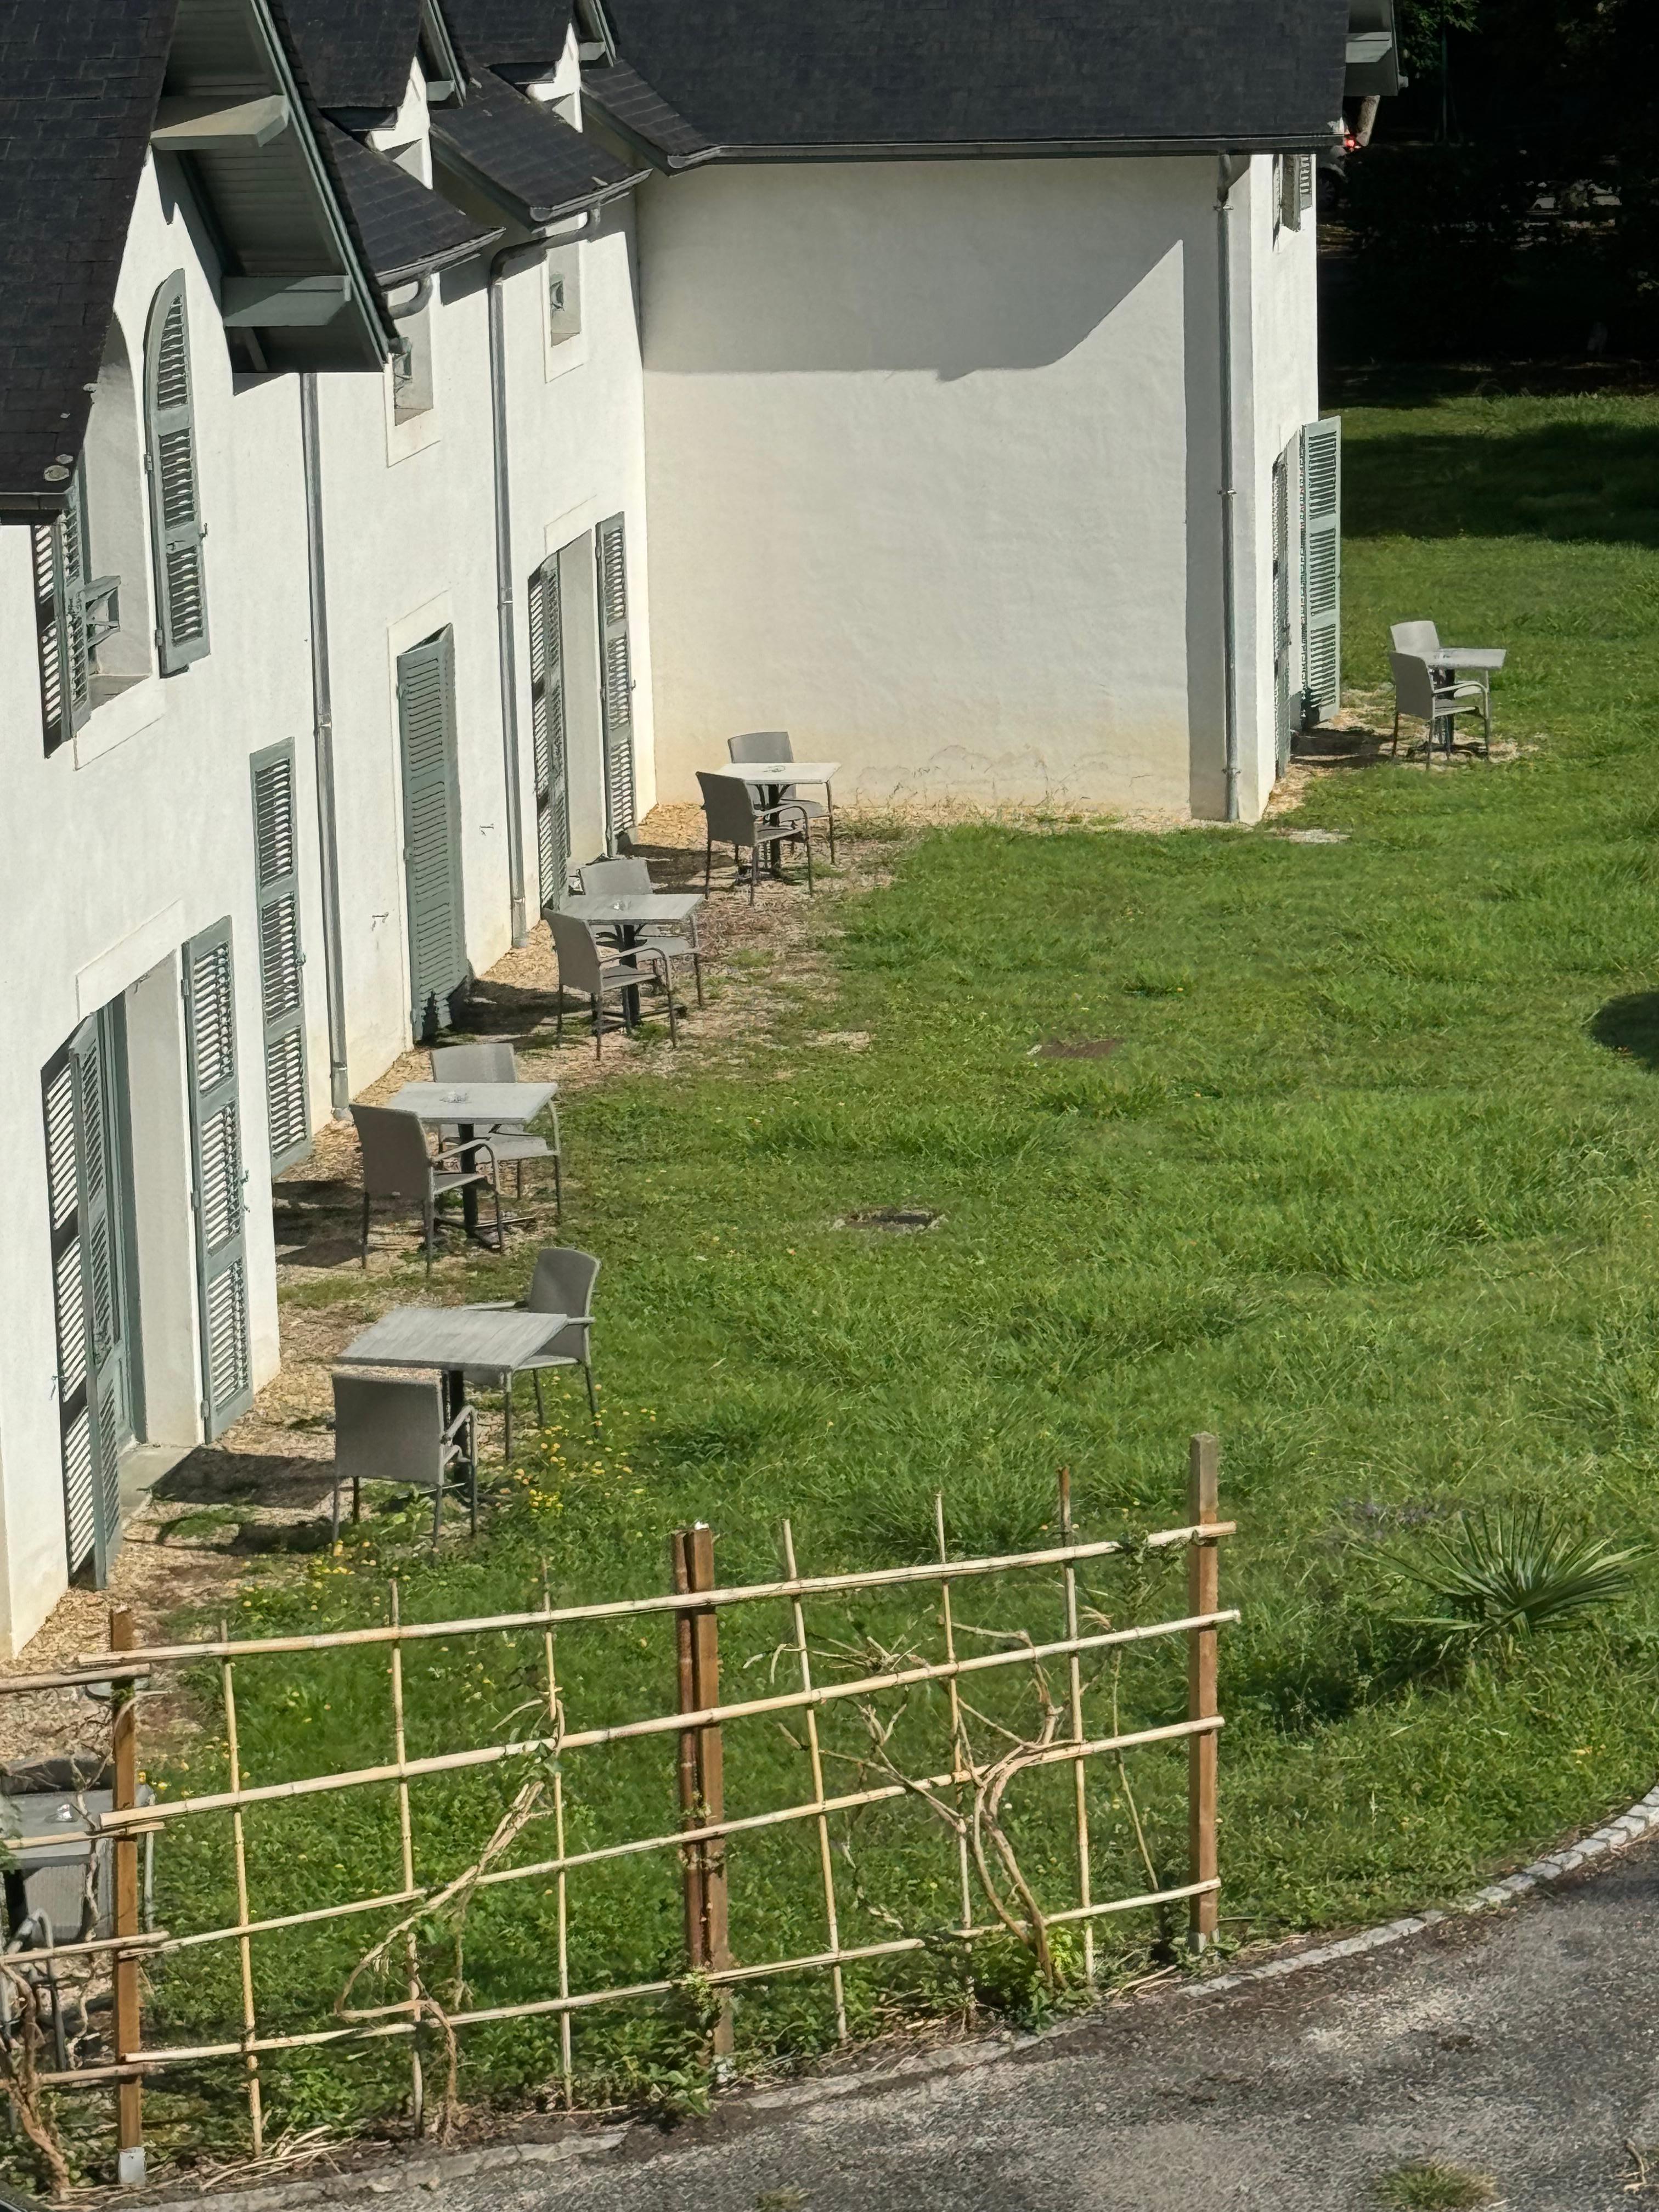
x: 1305, y: 184
x: 548, y: 730
x: 59, y: 551
x: 277, y: 862
x: 175, y: 507
x: 1321, y: 564
x: 216, y: 1135
x: 86, y: 1295
x: 432, y: 832
x: 1282, y: 714
x: 616, y: 679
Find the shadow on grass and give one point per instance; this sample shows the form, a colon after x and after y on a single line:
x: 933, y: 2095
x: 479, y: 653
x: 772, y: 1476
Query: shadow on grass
x: 1569, y: 481
x: 1630, y: 1027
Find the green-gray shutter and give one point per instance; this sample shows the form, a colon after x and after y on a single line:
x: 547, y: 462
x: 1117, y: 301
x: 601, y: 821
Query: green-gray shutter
x: 175, y: 505
x: 59, y: 551
x: 1322, y: 564
x: 85, y: 1292
x: 616, y: 679
x: 282, y: 960
x: 217, y: 1176
x: 547, y: 729
x: 432, y: 832
x: 1281, y: 582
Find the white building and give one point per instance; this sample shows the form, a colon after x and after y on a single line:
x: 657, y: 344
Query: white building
x: 422, y: 449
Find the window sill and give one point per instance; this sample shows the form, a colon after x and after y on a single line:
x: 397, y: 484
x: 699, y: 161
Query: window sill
x: 561, y: 356
x: 120, y: 715
x: 410, y: 436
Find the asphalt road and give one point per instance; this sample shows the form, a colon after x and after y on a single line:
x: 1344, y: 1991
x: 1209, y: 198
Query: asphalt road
x: 1520, y: 2044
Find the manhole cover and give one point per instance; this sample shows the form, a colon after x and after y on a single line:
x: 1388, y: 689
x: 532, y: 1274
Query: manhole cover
x: 1075, y: 1049
x: 901, y: 1218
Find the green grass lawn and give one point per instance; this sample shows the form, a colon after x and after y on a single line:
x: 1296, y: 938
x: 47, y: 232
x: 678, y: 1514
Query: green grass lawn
x: 1368, y: 1187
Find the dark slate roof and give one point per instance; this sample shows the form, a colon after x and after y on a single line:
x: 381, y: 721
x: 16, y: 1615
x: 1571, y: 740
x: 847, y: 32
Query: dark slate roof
x: 784, y: 76
x: 513, y: 33
x: 642, y: 115
x: 525, y: 156
x: 357, y: 53
x: 406, y: 230
x: 78, y: 88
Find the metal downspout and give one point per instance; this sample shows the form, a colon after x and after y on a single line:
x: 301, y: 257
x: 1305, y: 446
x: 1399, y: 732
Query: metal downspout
x: 500, y: 268
x: 339, y: 1085
x: 1228, y: 168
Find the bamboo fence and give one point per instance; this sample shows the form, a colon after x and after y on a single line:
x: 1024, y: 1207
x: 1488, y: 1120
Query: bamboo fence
x: 958, y: 1794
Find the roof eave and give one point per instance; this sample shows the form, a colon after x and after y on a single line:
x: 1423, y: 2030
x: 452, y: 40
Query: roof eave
x: 434, y: 265
x: 1008, y: 150
x: 529, y: 214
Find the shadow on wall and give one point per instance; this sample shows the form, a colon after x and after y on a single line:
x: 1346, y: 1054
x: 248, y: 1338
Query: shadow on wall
x: 1567, y: 481
x: 926, y: 267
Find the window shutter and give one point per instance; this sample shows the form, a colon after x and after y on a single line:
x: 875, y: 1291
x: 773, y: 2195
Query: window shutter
x: 85, y: 1291
x: 548, y: 730
x: 1321, y: 564
x: 215, y: 1140
x: 617, y: 679
x: 181, y: 634
x: 1282, y: 714
x: 1305, y: 184
x: 432, y: 832
x: 59, y: 551
x: 281, y: 989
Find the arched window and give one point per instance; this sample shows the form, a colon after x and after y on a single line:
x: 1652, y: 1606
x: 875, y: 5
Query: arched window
x: 175, y: 506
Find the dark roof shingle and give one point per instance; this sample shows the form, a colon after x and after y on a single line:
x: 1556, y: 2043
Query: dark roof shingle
x: 357, y: 53
x: 514, y: 33
x: 525, y: 155
x: 782, y: 75
x: 78, y: 88
x: 406, y: 230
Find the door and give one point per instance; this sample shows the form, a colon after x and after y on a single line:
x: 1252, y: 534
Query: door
x: 615, y: 680
x: 1283, y: 711
x: 548, y: 733
x: 438, y: 971
x: 84, y: 1090
x: 218, y: 1179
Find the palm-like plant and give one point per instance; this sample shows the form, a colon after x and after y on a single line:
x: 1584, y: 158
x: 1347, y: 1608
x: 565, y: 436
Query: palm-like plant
x: 1516, y: 1571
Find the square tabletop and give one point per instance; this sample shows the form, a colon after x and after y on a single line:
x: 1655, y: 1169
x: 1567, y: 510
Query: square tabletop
x: 453, y: 1336
x: 631, y: 907
x: 1469, y: 656
x: 802, y: 771
x: 475, y: 1102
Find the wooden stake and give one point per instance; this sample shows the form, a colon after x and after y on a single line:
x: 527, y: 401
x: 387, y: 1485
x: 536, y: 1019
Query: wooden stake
x: 1203, y: 1586
x: 1079, y: 1786
x: 129, y: 2024
x: 826, y: 1864
x: 697, y: 1922
x: 250, y: 2025
x: 958, y: 1767
x: 700, y: 1650
x: 406, y: 1838
x: 566, y: 2071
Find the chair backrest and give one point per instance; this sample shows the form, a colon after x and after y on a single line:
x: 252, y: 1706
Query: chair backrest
x: 395, y: 1155
x: 760, y: 745
x: 730, y: 806
x: 1413, y: 684
x: 611, y: 879
x: 1415, y: 637
x: 580, y: 965
x: 475, y: 1063
x: 389, y: 1429
x: 563, y: 1283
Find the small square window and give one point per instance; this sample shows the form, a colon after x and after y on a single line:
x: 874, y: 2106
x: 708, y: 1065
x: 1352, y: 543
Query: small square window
x: 564, y: 292
x: 411, y: 367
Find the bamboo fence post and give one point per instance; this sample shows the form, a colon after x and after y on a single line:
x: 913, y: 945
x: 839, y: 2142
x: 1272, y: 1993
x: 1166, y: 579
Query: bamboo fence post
x: 1203, y: 1593
x: 1080, y: 1784
x: 406, y: 1841
x: 566, y: 2071
x: 826, y: 1864
x: 959, y: 1771
x: 244, y: 1946
x: 705, y: 1776
x: 129, y: 2023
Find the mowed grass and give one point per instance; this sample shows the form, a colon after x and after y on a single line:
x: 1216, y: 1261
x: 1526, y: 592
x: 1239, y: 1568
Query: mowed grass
x: 1368, y: 1187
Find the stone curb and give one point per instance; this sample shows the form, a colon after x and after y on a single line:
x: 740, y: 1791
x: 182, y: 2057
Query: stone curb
x: 1640, y: 1820
x: 397, y: 2177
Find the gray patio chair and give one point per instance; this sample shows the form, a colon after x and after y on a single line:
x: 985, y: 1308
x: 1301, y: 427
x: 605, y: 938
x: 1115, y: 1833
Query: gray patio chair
x: 619, y: 877
x: 774, y: 745
x: 734, y: 819
x: 1422, y: 637
x: 392, y: 1429
x: 398, y: 1165
x: 1418, y: 694
x: 493, y: 1062
x: 585, y: 969
x: 562, y: 1284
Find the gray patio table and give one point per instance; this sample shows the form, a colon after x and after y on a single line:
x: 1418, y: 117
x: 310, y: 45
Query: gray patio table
x: 631, y: 914
x: 1482, y: 660
x: 775, y: 778
x: 496, y: 1105
x: 454, y: 1339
